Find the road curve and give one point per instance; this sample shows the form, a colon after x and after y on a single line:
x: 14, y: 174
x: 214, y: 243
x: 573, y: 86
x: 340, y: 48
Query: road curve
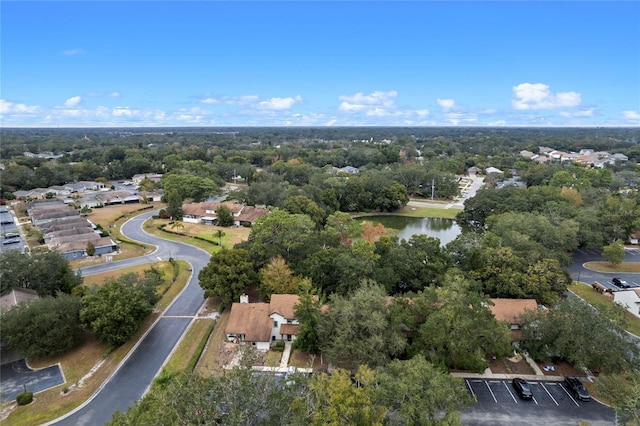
x: 133, y: 376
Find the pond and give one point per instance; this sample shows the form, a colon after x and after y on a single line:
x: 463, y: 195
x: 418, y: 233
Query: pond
x: 446, y: 230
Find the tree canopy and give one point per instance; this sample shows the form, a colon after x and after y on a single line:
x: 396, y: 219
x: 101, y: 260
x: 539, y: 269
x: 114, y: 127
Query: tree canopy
x: 43, y: 327
x: 228, y: 275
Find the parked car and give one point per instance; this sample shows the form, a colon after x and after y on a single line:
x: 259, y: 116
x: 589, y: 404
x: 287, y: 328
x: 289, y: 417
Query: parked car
x: 620, y: 283
x: 522, y: 388
x: 576, y: 387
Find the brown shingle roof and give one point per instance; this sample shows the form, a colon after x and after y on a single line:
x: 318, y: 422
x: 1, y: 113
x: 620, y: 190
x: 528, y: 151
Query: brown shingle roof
x: 289, y: 329
x: 240, y: 212
x: 283, y: 304
x: 250, y: 319
x: 510, y: 310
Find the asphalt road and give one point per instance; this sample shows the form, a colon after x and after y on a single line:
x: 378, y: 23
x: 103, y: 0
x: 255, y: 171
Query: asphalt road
x: 132, y: 378
x: 580, y: 273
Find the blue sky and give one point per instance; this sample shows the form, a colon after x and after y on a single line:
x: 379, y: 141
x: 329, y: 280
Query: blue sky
x: 319, y: 63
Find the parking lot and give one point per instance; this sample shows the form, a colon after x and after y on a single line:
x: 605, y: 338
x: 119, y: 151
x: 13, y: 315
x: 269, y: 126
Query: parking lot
x: 8, y: 226
x: 498, y: 403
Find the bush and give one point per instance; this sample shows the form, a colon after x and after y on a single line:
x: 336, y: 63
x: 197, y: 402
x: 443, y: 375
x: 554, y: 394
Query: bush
x: 24, y: 398
x: 279, y: 346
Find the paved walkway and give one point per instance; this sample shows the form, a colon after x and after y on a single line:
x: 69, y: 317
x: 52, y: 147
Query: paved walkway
x: 284, y: 361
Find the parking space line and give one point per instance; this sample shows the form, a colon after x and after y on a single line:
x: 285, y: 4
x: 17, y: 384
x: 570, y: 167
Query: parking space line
x: 471, y: 389
x: 549, y: 393
x: 489, y: 387
x: 509, y: 390
x: 569, y: 395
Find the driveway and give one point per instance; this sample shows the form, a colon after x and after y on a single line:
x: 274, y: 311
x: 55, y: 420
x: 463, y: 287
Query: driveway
x: 17, y: 376
x: 133, y: 376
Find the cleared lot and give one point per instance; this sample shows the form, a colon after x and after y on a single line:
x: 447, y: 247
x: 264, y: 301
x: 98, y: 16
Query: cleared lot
x: 498, y: 404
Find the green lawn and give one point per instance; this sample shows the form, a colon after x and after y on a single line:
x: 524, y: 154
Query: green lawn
x: 587, y: 293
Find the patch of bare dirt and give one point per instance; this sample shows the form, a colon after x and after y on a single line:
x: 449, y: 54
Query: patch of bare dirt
x: 514, y: 365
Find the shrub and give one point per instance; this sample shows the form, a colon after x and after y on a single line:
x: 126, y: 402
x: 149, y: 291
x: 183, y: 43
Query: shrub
x: 279, y: 346
x: 24, y: 398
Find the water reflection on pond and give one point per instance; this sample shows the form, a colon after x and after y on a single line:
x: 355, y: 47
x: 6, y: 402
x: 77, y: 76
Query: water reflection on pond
x: 446, y: 230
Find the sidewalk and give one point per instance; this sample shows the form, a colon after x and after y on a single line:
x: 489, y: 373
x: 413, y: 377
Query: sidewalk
x: 284, y: 361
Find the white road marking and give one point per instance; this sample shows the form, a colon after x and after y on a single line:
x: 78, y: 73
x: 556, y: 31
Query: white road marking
x: 509, y: 390
x: 549, y: 393
x: 569, y: 395
x: 489, y: 387
x: 471, y: 390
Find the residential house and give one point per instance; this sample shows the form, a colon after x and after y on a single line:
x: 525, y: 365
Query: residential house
x: 628, y: 299
x: 263, y: 323
x: 473, y: 170
x: 117, y: 197
x: 142, y: 176
x: 78, y: 249
x: 511, y: 312
x: 206, y: 213
x: 40, y: 216
x: 83, y: 186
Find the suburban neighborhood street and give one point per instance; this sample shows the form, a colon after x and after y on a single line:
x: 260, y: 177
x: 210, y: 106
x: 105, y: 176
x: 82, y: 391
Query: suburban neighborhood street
x: 134, y: 375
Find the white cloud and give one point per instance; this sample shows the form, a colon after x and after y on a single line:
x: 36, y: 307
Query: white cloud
x: 103, y: 94
x: 230, y: 100
x: 583, y: 113
x: 122, y: 112
x: 73, y: 52
x: 360, y: 101
x: 631, y: 115
x: 279, y: 103
x: 7, y: 107
x: 71, y: 102
x: 529, y: 96
x: 446, y: 104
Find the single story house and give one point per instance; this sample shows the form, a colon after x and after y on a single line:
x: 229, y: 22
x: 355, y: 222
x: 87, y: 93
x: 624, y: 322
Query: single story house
x: 117, y: 197
x: 84, y: 185
x: 78, y: 249
x: 511, y: 312
x: 41, y: 216
x: 142, y: 176
x: 628, y: 299
x: 206, y: 213
x: 263, y: 323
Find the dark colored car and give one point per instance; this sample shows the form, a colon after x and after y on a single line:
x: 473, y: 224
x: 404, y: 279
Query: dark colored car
x: 522, y: 388
x: 576, y: 387
x: 620, y: 283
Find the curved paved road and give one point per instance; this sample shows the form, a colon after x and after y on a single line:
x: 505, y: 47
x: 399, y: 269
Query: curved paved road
x: 133, y: 376
x: 580, y: 273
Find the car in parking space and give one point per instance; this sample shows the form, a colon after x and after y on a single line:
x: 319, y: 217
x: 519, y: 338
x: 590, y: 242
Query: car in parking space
x: 575, y: 386
x: 522, y: 388
x: 620, y: 283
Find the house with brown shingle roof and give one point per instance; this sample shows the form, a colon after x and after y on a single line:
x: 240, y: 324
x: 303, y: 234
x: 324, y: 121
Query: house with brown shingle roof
x: 511, y: 312
x: 263, y: 323
x: 206, y: 213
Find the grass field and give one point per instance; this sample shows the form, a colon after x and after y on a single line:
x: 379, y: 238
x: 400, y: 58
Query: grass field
x: 230, y: 235
x: 588, y: 294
